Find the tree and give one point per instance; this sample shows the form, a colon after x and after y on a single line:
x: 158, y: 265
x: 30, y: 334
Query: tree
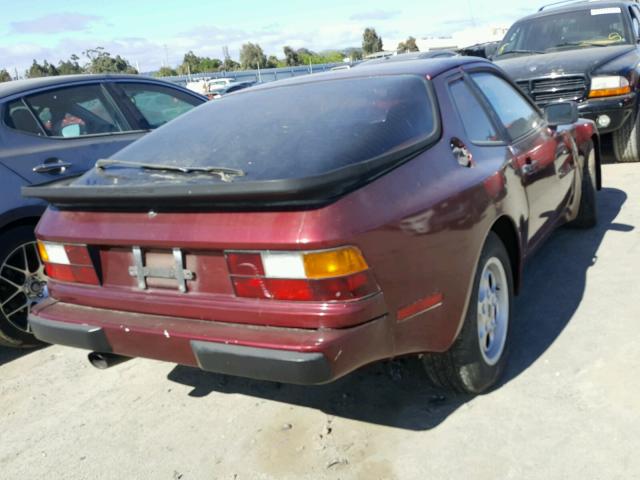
x: 409, y: 45
x: 252, y: 56
x: 291, y: 58
x: 70, y: 67
x: 101, y: 61
x: 371, y: 42
x: 191, y: 63
x: 229, y: 65
x: 44, y: 70
x: 165, y: 72
x: 273, y: 62
x: 4, y: 76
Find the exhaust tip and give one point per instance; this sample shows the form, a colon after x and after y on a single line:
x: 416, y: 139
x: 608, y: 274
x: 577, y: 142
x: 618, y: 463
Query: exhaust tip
x: 102, y: 360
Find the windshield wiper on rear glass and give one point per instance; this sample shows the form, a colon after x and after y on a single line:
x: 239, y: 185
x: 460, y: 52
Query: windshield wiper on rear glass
x: 225, y: 174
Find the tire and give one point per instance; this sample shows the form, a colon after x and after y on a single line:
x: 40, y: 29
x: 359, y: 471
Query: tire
x: 22, y: 285
x: 468, y: 367
x: 588, y: 209
x: 626, y: 141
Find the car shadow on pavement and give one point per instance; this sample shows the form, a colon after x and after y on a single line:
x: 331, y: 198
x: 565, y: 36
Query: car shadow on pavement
x: 396, y: 393
x: 8, y: 354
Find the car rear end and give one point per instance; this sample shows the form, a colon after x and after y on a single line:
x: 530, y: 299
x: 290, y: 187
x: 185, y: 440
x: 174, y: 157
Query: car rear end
x: 268, y: 274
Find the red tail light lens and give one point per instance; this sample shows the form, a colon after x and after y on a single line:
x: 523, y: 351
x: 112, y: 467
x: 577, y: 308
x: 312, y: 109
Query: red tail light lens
x: 294, y: 275
x: 68, y: 263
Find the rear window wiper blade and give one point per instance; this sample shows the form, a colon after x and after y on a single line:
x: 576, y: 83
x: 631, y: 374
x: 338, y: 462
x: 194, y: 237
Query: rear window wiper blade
x: 226, y: 174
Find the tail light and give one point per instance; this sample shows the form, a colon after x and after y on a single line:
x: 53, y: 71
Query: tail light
x: 329, y: 275
x: 68, y: 263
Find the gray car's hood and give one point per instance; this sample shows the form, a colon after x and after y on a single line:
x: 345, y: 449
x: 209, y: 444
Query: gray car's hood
x: 581, y: 61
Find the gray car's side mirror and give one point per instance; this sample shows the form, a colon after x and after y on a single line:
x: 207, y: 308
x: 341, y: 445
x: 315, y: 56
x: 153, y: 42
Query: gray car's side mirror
x: 561, y: 113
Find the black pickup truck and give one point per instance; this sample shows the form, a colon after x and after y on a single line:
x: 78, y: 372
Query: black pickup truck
x: 587, y: 51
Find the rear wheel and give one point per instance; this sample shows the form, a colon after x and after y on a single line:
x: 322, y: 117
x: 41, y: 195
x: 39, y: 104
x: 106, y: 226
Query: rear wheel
x: 626, y: 141
x: 478, y: 357
x: 22, y: 285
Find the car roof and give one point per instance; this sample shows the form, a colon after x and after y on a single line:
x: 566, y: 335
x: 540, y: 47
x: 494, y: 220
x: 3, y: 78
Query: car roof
x: 403, y: 57
x: 551, y: 9
x: 15, y: 87
x: 431, y: 67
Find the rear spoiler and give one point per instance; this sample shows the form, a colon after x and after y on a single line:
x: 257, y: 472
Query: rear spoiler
x: 309, y: 192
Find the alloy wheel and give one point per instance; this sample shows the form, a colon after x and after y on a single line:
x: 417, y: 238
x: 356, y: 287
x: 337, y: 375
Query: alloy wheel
x: 493, y: 311
x: 22, y: 285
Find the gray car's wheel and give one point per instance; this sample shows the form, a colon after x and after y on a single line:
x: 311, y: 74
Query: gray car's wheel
x: 626, y: 141
x: 477, y: 358
x: 588, y: 209
x: 22, y: 285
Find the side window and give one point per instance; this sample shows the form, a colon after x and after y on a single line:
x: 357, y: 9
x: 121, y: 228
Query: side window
x: 157, y: 104
x: 18, y: 117
x: 76, y: 112
x: 516, y: 113
x: 635, y: 21
x: 473, y: 116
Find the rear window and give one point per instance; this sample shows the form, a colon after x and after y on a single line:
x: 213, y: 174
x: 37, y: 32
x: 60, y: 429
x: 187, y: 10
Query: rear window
x: 295, y: 131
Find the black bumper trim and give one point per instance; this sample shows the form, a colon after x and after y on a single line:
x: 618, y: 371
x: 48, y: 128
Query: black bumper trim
x: 70, y: 334
x: 262, y: 363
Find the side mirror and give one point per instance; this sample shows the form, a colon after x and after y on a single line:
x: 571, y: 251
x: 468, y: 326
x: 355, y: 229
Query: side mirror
x: 562, y: 113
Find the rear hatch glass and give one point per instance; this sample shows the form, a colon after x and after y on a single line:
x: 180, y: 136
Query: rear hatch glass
x: 334, y: 132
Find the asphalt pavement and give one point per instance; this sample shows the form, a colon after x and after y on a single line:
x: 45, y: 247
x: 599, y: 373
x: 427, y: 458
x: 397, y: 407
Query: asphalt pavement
x: 568, y: 407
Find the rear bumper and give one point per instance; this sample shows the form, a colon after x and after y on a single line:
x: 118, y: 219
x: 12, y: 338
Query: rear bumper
x: 286, y: 355
x: 618, y: 109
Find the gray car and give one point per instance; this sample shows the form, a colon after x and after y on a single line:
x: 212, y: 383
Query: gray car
x: 57, y: 127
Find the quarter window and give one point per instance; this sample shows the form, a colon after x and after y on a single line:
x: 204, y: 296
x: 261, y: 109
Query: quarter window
x: 516, y: 114
x: 76, y: 112
x: 474, y: 118
x: 18, y: 117
x: 158, y: 105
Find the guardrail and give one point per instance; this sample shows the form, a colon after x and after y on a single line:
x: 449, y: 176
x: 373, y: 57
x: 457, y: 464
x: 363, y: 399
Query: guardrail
x: 262, y: 75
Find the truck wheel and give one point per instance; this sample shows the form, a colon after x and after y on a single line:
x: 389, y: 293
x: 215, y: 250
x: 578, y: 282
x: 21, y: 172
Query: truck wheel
x: 588, y: 210
x: 626, y: 144
x: 22, y: 285
x: 478, y: 357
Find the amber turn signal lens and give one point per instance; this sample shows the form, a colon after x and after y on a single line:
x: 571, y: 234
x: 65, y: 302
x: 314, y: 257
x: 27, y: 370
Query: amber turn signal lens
x: 44, y: 256
x: 334, y: 263
x: 609, y: 92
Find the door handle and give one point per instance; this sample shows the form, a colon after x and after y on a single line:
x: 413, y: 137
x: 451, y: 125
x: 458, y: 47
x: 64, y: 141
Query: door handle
x: 52, y: 165
x: 461, y: 152
x: 529, y: 167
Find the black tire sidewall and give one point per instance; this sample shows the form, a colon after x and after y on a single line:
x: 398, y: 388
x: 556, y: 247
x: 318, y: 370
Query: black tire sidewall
x: 475, y: 374
x: 9, y: 241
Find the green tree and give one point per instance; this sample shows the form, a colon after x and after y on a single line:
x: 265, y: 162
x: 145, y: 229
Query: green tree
x: 371, y: 42
x: 409, y: 45
x: 70, y: 67
x: 273, y: 62
x: 191, y: 63
x: 45, y: 70
x: 101, y: 61
x: 252, y: 56
x: 291, y: 58
x: 229, y: 65
x: 165, y: 72
x: 4, y: 76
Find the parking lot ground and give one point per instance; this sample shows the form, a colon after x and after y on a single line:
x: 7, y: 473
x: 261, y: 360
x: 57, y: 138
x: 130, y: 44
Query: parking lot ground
x: 569, y: 406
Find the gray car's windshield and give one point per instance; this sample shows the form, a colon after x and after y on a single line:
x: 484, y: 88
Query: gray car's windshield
x: 567, y: 30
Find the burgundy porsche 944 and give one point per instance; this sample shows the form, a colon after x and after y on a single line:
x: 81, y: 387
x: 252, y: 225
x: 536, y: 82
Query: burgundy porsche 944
x: 297, y: 231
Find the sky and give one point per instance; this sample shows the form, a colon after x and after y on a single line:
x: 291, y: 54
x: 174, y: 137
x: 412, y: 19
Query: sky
x: 151, y: 33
